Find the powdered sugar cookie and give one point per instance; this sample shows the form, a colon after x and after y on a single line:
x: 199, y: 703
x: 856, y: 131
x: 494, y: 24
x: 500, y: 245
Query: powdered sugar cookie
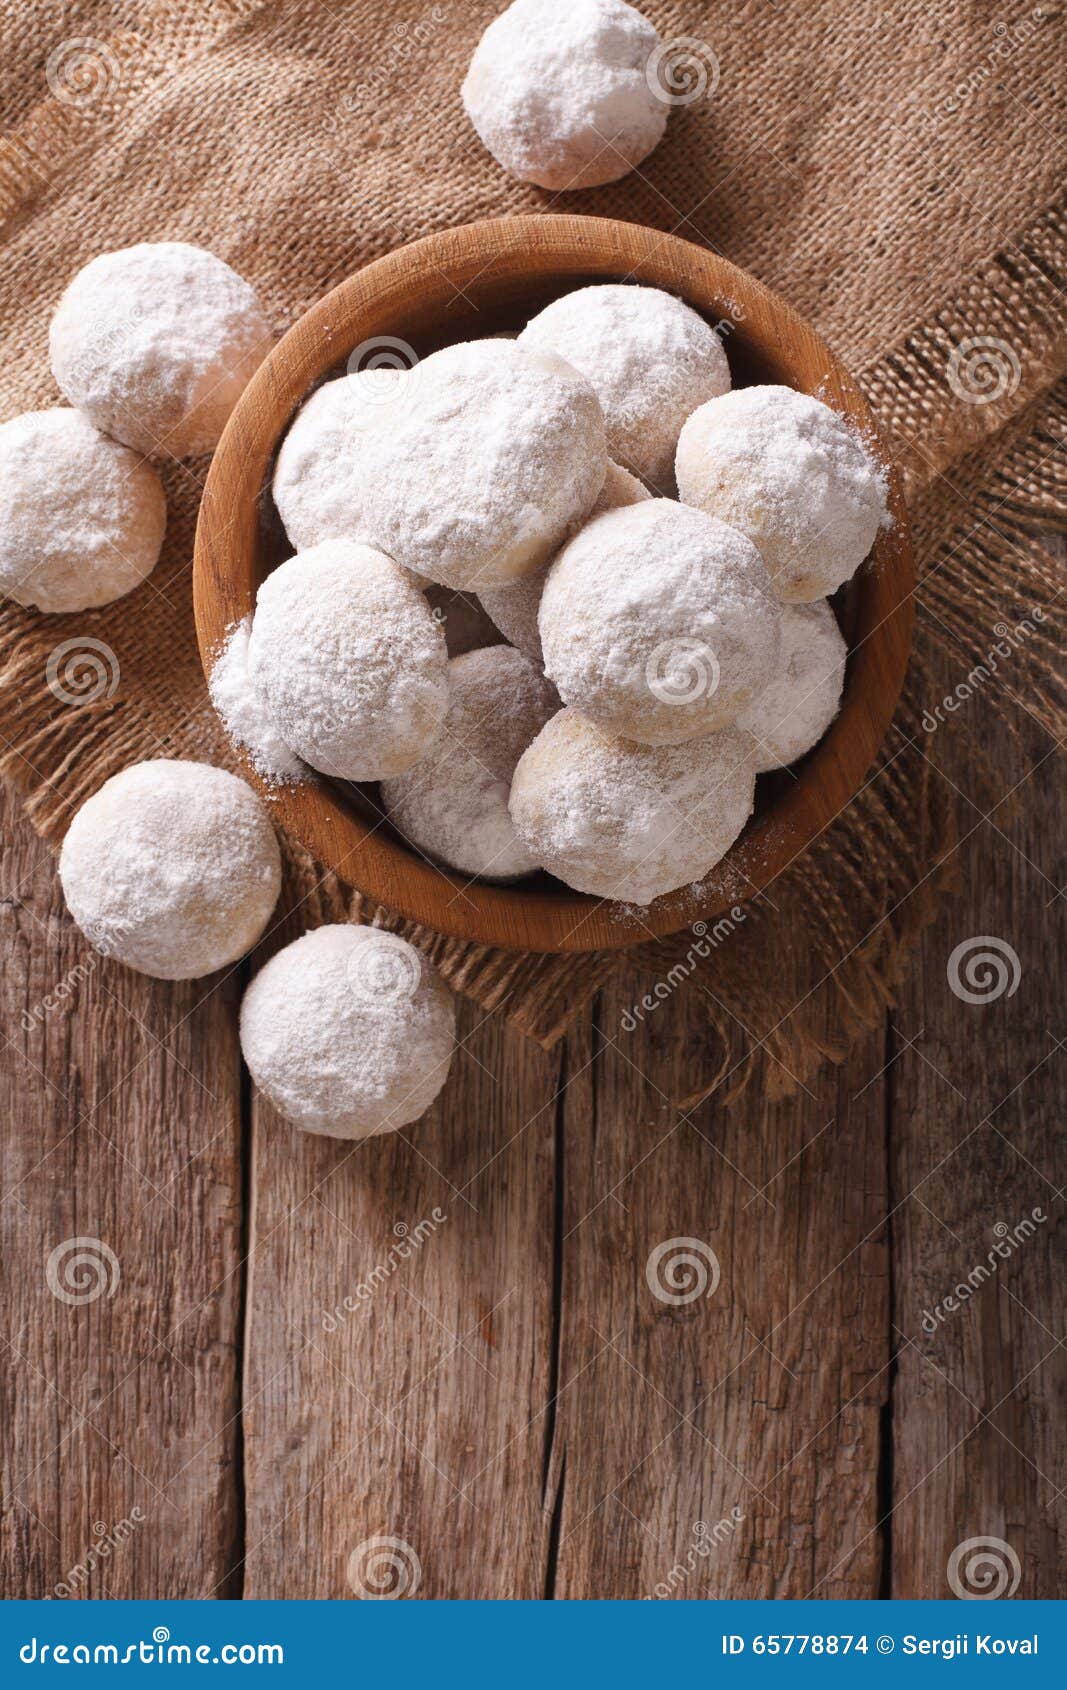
x: 349, y: 1031
x: 81, y: 517
x: 156, y: 343
x: 349, y: 661
x: 804, y: 693
x: 787, y: 471
x: 172, y: 868
x: 514, y: 608
x: 651, y: 359
x: 453, y: 804
x: 561, y: 91
x: 625, y: 821
x: 659, y: 623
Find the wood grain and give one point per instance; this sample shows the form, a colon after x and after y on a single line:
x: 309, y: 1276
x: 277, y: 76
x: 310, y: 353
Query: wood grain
x: 469, y: 282
x: 120, y: 1098
x: 399, y: 1338
x: 978, y: 1104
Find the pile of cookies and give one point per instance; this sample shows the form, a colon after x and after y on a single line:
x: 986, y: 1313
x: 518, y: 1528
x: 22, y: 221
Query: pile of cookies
x: 657, y: 549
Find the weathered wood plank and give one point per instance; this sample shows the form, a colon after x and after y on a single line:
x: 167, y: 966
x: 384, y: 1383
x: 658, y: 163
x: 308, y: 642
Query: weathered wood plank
x: 979, y: 1104
x: 413, y: 1411
x: 121, y: 1103
x: 727, y: 1445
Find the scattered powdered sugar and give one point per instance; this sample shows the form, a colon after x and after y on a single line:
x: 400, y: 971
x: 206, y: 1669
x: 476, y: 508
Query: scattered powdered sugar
x: 659, y: 623
x: 349, y: 661
x: 630, y: 822
x: 156, y: 342
x: 652, y: 361
x: 244, y: 713
x: 804, y: 693
x: 478, y: 464
x: 81, y: 517
x: 790, y: 473
x: 454, y: 803
x: 514, y: 608
x: 349, y: 1031
x: 172, y: 868
x: 560, y: 91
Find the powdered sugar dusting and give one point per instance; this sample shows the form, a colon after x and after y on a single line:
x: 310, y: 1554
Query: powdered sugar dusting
x: 804, y: 693
x: 454, y: 803
x: 244, y: 714
x: 787, y: 471
x: 558, y: 91
x: 652, y: 360
x: 630, y: 822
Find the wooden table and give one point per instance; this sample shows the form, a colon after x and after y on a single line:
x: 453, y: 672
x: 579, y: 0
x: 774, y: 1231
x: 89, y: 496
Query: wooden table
x: 450, y: 1339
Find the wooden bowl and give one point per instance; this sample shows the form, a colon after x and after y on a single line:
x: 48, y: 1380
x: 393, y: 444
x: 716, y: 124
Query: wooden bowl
x: 474, y: 281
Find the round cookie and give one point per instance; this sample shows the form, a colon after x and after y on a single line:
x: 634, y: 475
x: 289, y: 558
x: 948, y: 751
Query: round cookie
x: 625, y: 821
x: 804, y: 693
x: 172, y: 868
x: 789, y: 472
x: 453, y: 804
x: 561, y: 93
x: 349, y: 1031
x: 514, y: 608
x: 659, y: 623
x: 156, y: 343
x: 349, y: 661
x: 475, y: 470
x: 652, y: 361
x: 81, y: 517
x: 310, y: 487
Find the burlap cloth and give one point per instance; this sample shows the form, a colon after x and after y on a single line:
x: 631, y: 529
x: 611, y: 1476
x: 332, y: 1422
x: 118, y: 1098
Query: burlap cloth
x: 892, y: 170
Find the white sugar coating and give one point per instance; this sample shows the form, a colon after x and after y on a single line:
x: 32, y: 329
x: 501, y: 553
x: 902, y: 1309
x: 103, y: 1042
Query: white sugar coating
x: 561, y: 93
x: 156, y: 342
x: 454, y: 803
x: 172, y: 868
x: 312, y: 487
x: 476, y: 466
x: 243, y: 713
x: 514, y: 608
x: 348, y: 661
x: 790, y: 473
x: 349, y: 1031
x: 651, y: 358
x: 81, y: 517
x: 630, y: 822
x: 804, y: 693
x: 659, y: 623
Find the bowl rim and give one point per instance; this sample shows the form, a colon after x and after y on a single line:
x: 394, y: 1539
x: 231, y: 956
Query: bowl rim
x: 365, y: 855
